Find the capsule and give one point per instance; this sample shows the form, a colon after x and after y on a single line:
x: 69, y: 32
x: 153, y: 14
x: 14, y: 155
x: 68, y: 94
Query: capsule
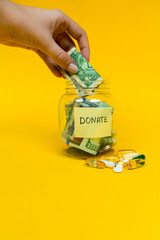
x: 109, y: 164
x: 118, y: 168
x: 134, y: 163
x: 110, y: 158
x: 122, y: 152
x: 90, y: 162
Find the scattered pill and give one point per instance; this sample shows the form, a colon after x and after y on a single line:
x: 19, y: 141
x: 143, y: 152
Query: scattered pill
x: 134, y: 163
x: 142, y: 156
x: 110, y: 158
x: 122, y: 152
x: 91, y: 163
x: 118, y: 169
x: 100, y: 165
x: 129, y: 156
x: 95, y: 163
x: 109, y: 163
x: 127, y: 159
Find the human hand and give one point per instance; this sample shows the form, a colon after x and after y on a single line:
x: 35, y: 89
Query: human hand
x: 47, y: 32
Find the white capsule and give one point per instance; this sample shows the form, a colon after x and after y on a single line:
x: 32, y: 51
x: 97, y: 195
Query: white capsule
x: 118, y: 169
x: 109, y: 163
x: 125, y: 161
x: 130, y: 156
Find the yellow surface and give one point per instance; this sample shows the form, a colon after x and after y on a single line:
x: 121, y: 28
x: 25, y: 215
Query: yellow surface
x: 44, y: 195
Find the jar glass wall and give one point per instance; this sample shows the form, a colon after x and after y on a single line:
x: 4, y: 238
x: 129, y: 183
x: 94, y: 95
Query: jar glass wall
x: 86, y: 122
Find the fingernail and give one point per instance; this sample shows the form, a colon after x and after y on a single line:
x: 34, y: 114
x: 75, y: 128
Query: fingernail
x: 72, y: 68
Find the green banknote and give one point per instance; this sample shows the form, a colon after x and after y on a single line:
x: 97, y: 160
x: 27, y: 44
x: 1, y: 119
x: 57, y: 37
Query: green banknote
x: 87, y: 145
x: 87, y: 77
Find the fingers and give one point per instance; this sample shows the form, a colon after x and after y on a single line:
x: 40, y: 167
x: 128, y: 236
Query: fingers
x: 60, y: 57
x: 80, y: 35
x: 50, y: 63
x: 65, y: 42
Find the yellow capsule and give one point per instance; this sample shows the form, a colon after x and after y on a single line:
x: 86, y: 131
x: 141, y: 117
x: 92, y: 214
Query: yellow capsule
x: 134, y: 163
x: 110, y: 158
x: 91, y: 163
x: 122, y: 152
x: 100, y: 165
x: 95, y: 163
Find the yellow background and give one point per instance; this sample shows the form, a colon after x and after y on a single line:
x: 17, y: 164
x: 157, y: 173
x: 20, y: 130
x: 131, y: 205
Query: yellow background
x: 44, y: 195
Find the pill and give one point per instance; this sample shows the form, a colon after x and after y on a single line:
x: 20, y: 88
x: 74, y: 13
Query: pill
x: 118, y: 169
x: 100, y: 165
x: 91, y: 163
x: 129, y: 156
x: 110, y: 158
x: 94, y: 163
x: 108, y: 163
x: 134, y: 163
x: 141, y: 156
x: 122, y: 152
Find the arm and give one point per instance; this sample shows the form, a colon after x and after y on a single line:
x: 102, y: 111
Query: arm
x: 47, y: 32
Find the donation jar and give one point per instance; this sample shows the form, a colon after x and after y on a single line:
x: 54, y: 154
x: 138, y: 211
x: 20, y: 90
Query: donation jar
x: 86, y: 122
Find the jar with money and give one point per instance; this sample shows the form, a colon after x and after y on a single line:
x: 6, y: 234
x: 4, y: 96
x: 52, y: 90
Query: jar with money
x: 86, y: 112
x: 86, y: 122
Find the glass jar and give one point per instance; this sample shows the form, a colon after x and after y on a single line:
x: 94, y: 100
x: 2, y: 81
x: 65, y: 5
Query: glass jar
x: 86, y: 122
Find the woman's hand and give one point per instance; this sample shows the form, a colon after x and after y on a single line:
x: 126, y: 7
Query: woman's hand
x: 46, y: 32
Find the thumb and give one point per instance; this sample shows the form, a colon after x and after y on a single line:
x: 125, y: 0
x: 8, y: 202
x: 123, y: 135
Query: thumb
x: 60, y: 57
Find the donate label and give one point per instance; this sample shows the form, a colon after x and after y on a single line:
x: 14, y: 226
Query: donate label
x: 93, y: 122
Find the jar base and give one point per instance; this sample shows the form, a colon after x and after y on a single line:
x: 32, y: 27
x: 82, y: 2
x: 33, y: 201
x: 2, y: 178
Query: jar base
x: 80, y: 154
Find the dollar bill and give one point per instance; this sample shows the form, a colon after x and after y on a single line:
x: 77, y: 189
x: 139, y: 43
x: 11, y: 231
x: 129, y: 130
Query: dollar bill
x: 87, y: 145
x: 87, y: 77
x: 107, y: 141
x: 69, y: 127
x: 104, y: 104
x: 68, y: 110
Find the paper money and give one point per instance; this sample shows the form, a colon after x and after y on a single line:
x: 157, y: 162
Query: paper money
x: 87, y: 77
x: 68, y: 110
x: 87, y: 145
x: 107, y: 141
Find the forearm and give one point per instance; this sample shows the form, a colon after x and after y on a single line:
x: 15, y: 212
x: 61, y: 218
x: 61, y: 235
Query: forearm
x: 3, y: 5
x: 8, y: 16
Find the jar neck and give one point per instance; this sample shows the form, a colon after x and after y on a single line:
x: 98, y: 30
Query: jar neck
x: 101, y: 89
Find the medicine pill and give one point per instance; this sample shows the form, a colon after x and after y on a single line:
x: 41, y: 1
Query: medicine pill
x: 109, y: 163
x: 122, y: 152
x: 100, y: 165
x: 91, y: 163
x: 110, y: 158
x: 95, y: 163
x: 129, y: 156
x: 134, y: 163
x: 118, y: 169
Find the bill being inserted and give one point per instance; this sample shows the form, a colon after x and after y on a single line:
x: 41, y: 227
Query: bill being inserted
x: 87, y: 77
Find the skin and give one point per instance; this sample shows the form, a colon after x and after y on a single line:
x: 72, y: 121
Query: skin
x: 47, y: 32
